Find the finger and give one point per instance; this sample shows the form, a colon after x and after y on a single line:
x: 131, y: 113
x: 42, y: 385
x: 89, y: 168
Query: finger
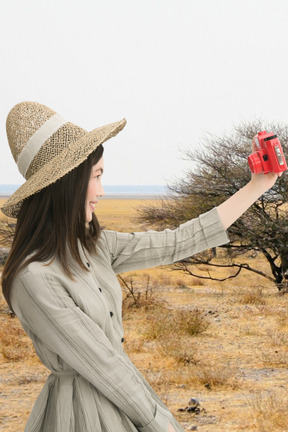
x: 254, y: 146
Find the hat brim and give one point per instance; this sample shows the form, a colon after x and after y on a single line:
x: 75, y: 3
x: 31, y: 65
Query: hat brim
x: 61, y: 165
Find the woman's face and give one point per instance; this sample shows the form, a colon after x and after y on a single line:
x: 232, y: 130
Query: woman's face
x: 95, y: 189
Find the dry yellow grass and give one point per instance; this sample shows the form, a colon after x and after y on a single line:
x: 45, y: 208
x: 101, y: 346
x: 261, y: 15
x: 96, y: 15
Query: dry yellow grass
x: 242, y: 353
x: 119, y: 215
x: 270, y: 411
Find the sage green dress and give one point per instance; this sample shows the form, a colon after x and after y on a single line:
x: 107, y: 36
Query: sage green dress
x: 76, y: 329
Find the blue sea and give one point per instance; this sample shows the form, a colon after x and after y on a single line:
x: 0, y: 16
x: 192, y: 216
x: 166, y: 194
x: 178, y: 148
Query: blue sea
x: 111, y: 191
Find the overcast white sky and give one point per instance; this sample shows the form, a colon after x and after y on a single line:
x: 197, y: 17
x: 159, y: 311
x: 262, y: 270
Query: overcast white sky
x: 176, y: 69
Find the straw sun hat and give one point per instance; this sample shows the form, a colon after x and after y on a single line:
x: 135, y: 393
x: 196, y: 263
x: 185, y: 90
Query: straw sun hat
x: 46, y: 147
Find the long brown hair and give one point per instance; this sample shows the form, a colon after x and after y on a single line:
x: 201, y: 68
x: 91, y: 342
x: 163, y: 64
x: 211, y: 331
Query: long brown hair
x: 51, y: 220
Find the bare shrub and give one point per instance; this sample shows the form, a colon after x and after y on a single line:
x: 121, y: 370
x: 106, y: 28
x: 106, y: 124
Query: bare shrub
x: 216, y: 374
x: 181, y: 349
x: 192, y: 322
x: 196, y: 282
x: 183, y: 283
x: 176, y: 322
x: 158, y: 324
x: 253, y: 297
x: 180, y: 283
x: 137, y: 294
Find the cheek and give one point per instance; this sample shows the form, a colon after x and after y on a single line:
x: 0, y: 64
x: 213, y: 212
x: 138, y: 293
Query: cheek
x: 89, y: 191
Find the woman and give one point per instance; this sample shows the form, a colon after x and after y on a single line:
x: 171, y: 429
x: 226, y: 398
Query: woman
x: 60, y: 276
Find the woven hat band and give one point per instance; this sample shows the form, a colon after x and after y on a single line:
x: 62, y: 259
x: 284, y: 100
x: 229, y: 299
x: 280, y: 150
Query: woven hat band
x: 37, y: 140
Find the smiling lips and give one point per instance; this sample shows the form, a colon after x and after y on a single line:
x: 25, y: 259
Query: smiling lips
x: 92, y: 204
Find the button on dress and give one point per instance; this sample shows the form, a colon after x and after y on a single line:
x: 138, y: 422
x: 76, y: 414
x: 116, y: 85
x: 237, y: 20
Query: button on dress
x: 76, y: 329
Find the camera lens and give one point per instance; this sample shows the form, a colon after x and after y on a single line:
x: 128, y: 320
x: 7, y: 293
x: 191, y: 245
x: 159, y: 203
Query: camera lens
x: 255, y: 163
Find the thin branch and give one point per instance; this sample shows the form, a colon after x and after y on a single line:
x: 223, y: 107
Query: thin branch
x: 183, y: 266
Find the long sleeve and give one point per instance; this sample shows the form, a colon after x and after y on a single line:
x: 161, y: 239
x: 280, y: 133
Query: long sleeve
x: 41, y: 300
x: 153, y: 248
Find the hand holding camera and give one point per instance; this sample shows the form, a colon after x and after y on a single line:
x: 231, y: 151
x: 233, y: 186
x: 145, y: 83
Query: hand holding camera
x: 268, y: 156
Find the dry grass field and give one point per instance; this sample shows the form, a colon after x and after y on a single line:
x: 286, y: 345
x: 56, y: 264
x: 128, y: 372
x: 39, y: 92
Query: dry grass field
x: 225, y: 344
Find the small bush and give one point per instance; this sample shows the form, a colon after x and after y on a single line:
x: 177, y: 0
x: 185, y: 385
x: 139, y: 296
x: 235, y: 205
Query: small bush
x: 180, y: 283
x: 137, y: 294
x: 216, y: 375
x: 254, y: 297
x: 158, y: 324
x: 192, y: 322
x: 176, y: 322
x: 181, y: 349
x: 196, y: 282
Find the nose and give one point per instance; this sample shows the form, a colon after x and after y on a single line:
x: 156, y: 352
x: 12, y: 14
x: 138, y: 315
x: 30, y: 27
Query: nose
x: 101, y: 191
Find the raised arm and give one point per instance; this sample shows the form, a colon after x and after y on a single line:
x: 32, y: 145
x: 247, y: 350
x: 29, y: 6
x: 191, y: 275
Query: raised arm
x: 141, y: 250
x: 237, y: 204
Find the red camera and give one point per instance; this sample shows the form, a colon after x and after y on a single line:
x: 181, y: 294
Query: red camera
x: 268, y: 156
